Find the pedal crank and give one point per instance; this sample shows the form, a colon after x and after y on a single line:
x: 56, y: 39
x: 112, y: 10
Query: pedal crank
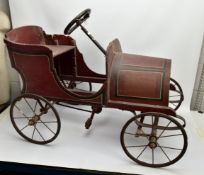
x: 95, y: 109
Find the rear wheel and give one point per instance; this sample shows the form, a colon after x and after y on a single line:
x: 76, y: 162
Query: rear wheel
x: 35, y: 118
x: 158, y: 141
x: 176, y: 96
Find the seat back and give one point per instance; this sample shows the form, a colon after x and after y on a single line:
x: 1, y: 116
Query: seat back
x: 26, y: 35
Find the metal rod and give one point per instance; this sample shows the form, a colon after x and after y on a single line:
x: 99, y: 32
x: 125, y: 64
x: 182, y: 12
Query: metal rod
x: 58, y: 103
x: 93, y: 39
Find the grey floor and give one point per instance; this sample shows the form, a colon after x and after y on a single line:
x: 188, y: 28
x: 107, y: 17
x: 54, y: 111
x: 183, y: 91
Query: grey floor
x: 99, y: 147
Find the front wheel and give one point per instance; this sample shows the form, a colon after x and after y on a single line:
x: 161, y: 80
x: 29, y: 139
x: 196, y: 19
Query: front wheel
x: 35, y: 118
x: 158, y: 141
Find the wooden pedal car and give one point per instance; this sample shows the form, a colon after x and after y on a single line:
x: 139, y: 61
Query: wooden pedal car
x: 53, y: 72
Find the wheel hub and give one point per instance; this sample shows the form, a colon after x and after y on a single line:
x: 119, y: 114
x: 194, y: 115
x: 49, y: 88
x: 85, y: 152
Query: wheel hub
x: 34, y: 120
x: 153, y: 142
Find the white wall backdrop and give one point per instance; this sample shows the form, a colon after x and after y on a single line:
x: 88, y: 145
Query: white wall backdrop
x: 163, y: 28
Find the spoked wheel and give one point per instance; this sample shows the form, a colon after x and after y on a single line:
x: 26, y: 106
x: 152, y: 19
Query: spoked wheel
x: 158, y: 141
x: 35, y: 119
x: 175, y: 94
x: 80, y: 85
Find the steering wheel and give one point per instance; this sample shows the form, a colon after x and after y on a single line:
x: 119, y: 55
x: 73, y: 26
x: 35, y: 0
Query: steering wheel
x: 79, y: 19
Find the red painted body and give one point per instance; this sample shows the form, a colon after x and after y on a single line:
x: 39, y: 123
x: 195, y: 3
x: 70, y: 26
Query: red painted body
x: 132, y: 82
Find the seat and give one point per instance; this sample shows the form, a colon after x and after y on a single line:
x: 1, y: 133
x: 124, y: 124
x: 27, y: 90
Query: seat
x: 44, y: 61
x: 32, y: 54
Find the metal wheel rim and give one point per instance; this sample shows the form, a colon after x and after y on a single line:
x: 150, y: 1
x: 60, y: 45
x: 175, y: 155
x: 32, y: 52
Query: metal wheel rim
x: 184, y: 147
x: 179, y: 92
x: 58, y: 123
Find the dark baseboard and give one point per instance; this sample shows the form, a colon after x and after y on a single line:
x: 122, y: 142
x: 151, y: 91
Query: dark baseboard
x: 4, y: 106
x: 13, y: 168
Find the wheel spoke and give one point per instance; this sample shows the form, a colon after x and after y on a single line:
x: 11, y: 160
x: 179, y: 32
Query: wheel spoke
x: 136, y: 146
x: 164, y: 130
x: 142, y: 135
x: 24, y: 127
x: 47, y: 127
x: 175, y: 95
x: 168, y: 147
x: 33, y: 132
x: 173, y: 104
x: 142, y: 152
x: 21, y: 117
x: 21, y: 112
x: 47, y: 122
x: 164, y: 152
x: 29, y: 106
x: 39, y: 133
x: 172, y: 135
x: 130, y: 133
